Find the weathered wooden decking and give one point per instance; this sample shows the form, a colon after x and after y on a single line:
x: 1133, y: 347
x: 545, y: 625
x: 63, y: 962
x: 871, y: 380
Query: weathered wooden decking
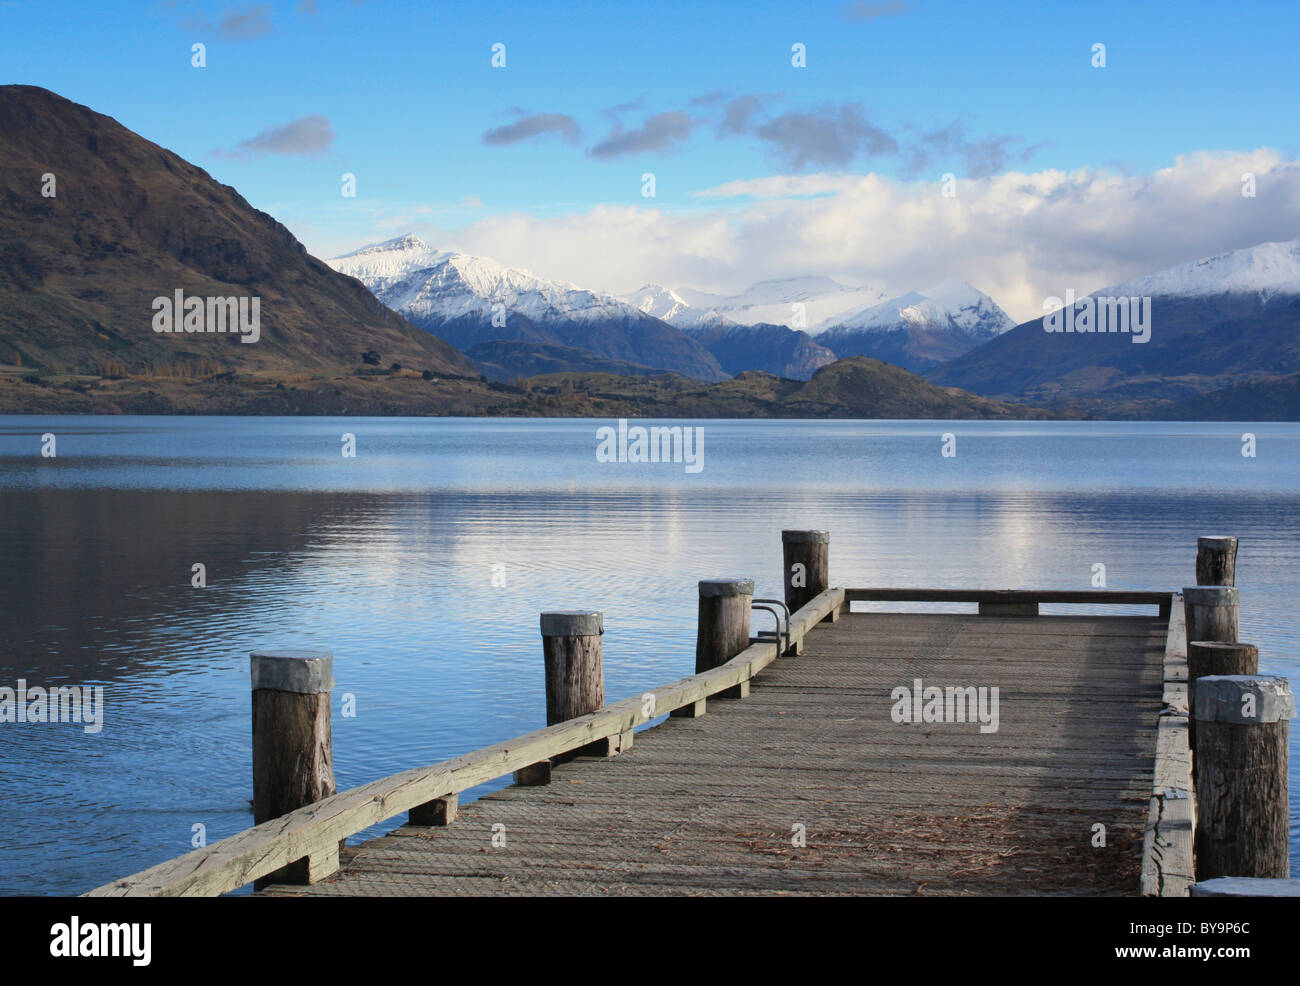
x: 710, y: 805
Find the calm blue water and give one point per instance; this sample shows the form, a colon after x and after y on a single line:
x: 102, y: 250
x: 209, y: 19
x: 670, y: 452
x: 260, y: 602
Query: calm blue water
x: 388, y: 560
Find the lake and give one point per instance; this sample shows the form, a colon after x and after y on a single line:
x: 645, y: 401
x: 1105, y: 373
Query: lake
x: 422, y: 563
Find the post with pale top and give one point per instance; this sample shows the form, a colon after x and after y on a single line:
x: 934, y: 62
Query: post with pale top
x: 1216, y: 561
x: 1211, y: 612
x: 1214, y: 657
x: 293, y: 754
x: 806, y: 572
x: 723, y: 626
x: 1242, y: 722
x: 575, y: 684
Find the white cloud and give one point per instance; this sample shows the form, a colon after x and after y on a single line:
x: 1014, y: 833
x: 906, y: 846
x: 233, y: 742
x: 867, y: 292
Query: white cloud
x: 1020, y: 237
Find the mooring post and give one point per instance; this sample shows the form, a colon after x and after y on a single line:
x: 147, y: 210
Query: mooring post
x: 1242, y: 722
x: 1213, y: 657
x: 1211, y: 612
x: 575, y: 684
x: 293, y: 754
x: 1216, y: 561
x: 724, y: 626
x: 806, y: 574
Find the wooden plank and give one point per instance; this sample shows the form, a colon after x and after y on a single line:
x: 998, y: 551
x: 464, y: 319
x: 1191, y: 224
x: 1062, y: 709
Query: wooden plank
x: 706, y: 806
x: 1175, y: 661
x: 308, y: 832
x: 1168, y: 845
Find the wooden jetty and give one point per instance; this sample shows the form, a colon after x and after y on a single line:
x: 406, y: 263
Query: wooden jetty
x: 846, y: 753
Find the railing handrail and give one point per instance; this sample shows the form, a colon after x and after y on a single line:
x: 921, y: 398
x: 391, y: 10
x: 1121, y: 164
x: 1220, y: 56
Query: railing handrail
x: 1121, y: 597
x: 1167, y: 844
x: 319, y: 827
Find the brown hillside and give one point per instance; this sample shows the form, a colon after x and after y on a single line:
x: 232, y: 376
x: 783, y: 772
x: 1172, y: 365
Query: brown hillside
x: 132, y: 221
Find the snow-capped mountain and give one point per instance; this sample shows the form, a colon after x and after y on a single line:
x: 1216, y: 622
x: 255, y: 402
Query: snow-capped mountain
x: 1213, y: 323
x: 742, y: 345
x: 824, y: 319
x: 952, y: 306
x: 920, y: 329
x: 667, y: 304
x: 771, y: 302
x: 469, y: 300
x: 406, y: 274
x: 1265, y: 271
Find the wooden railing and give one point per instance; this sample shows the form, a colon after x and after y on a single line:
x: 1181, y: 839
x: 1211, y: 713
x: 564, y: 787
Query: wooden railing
x: 1008, y: 601
x: 1167, y: 865
x: 315, y: 831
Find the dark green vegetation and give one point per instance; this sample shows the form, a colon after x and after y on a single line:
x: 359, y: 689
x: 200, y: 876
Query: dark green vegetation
x: 853, y: 388
x: 857, y: 387
x: 1266, y: 399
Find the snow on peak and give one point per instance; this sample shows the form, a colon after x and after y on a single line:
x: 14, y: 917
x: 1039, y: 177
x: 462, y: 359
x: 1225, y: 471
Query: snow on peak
x: 430, y: 286
x: 1266, y: 269
x: 409, y: 242
x: 949, y: 306
x: 666, y: 304
x: 657, y: 300
x: 818, y: 301
x: 790, y: 289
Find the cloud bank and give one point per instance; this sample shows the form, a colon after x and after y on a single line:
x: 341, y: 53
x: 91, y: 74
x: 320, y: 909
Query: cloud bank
x: 1020, y: 237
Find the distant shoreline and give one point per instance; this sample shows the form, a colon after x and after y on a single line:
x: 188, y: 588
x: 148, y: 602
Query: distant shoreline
x: 852, y: 389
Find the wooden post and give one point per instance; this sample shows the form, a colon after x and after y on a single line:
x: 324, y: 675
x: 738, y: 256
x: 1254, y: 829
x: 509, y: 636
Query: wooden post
x: 575, y: 684
x: 438, y: 812
x: 807, y: 566
x: 1207, y: 657
x: 724, y: 626
x: 1216, y: 561
x: 1242, y: 722
x: 293, y: 754
x: 1211, y: 612
x: 575, y: 670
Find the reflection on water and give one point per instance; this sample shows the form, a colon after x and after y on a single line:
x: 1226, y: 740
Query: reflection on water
x: 387, y: 560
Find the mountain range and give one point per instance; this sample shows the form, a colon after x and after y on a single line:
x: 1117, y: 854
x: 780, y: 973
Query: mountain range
x: 1214, y: 323
x: 470, y: 300
x: 99, y: 225
x: 475, y: 302
x: 916, y: 330
x: 737, y: 343
x: 920, y: 329
x: 801, y: 302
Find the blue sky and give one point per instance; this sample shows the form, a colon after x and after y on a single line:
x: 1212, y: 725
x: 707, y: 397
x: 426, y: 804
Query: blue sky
x: 903, y: 91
